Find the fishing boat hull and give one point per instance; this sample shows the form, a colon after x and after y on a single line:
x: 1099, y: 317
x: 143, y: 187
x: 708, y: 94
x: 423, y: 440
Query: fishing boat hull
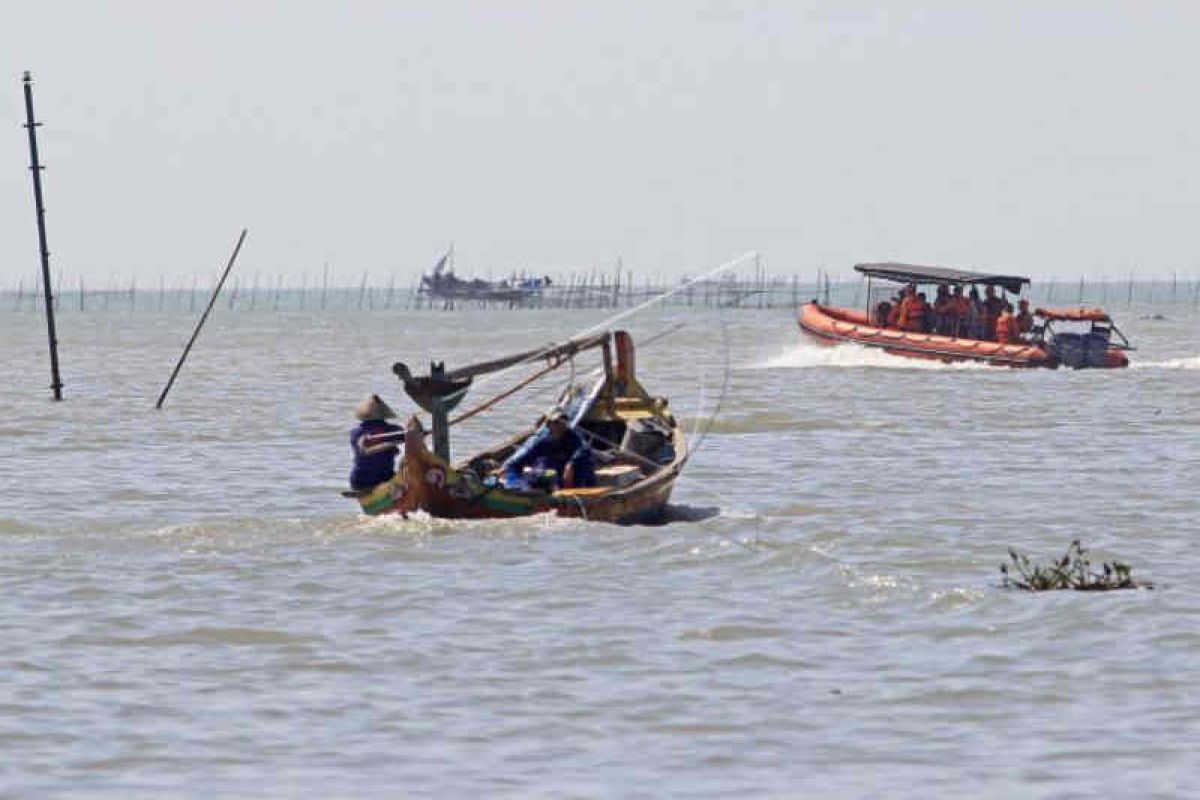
x: 427, y: 483
x: 832, y: 325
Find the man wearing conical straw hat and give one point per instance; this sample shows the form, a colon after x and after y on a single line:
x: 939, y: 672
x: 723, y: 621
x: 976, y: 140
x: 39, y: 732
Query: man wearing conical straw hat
x: 375, y: 443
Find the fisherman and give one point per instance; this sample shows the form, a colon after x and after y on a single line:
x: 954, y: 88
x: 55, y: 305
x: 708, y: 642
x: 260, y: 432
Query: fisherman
x: 556, y: 446
x: 375, y: 443
x: 1024, y: 318
x: 1006, y: 326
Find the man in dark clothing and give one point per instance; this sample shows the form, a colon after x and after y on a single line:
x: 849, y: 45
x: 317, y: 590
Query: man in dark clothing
x: 556, y: 447
x: 375, y: 443
x: 1024, y: 318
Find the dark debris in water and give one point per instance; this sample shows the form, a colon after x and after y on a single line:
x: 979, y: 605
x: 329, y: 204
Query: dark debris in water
x: 1072, y: 571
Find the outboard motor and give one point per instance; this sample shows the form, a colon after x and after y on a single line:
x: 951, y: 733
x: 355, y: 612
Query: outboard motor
x: 1081, y: 350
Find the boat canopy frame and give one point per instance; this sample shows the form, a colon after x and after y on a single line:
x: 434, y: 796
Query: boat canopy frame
x: 913, y: 273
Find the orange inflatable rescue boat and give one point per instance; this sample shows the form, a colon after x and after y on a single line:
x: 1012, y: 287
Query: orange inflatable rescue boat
x: 1053, y: 337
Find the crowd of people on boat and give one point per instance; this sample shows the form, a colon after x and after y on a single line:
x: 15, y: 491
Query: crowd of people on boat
x: 953, y: 313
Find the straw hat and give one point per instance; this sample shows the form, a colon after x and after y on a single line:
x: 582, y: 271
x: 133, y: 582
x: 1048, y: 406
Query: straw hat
x: 373, y: 408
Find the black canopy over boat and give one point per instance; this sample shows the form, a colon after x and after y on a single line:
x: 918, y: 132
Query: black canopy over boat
x: 913, y: 273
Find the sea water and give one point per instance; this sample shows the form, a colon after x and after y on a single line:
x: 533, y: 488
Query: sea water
x: 191, y: 608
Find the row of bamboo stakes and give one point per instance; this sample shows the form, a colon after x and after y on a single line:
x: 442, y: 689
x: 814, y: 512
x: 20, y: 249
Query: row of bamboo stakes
x: 576, y: 290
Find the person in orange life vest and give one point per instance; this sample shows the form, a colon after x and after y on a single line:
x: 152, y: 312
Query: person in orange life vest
x: 912, y: 312
x: 1024, y: 318
x: 893, y: 317
x: 992, y: 306
x: 943, y: 309
x: 1006, y: 326
x: 375, y: 443
x: 960, y: 310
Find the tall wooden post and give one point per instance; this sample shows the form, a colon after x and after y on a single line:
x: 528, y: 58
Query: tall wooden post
x: 36, y: 168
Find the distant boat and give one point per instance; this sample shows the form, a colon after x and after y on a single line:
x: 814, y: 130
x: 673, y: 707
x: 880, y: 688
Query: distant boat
x: 1083, y: 337
x: 638, y: 446
x: 442, y: 284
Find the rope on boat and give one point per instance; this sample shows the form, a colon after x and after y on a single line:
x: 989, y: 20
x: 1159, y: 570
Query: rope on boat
x: 518, y: 387
x: 697, y: 436
x: 505, y: 394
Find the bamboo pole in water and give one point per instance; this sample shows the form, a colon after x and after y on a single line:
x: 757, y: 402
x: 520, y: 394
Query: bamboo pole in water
x: 35, y: 168
x: 203, y: 318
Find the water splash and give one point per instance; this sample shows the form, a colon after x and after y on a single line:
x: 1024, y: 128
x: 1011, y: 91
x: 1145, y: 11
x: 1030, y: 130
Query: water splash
x: 1191, y: 362
x: 808, y: 356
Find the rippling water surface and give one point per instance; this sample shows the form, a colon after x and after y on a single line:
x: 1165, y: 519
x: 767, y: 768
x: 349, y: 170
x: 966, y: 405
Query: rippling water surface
x: 191, y: 608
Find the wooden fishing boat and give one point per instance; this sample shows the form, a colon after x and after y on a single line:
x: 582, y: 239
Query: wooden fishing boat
x: 637, y: 445
x: 1050, y: 343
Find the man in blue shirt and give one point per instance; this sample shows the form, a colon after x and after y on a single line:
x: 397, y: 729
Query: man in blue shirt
x: 558, y: 447
x: 375, y: 443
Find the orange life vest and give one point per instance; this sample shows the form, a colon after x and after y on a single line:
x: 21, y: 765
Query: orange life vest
x: 1006, y: 328
x: 912, y: 314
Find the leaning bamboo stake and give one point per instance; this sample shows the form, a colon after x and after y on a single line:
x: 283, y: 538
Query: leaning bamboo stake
x: 203, y: 318
x: 35, y: 168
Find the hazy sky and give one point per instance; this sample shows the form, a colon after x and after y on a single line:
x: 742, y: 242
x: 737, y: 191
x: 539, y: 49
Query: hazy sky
x: 1046, y: 137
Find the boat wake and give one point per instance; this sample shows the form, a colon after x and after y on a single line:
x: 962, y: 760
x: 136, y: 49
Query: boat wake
x: 1191, y: 362
x: 809, y: 356
x: 422, y: 524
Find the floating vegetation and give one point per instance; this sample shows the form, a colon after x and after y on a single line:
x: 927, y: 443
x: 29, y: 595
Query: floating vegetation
x: 1072, y: 571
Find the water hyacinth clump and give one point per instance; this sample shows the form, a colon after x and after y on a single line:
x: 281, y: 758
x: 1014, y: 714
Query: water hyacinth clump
x: 1072, y: 571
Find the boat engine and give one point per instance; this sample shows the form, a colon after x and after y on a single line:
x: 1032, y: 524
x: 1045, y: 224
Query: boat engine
x: 1081, y: 350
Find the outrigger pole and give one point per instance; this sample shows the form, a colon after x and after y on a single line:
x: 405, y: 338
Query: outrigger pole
x: 36, y: 168
x: 442, y: 390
